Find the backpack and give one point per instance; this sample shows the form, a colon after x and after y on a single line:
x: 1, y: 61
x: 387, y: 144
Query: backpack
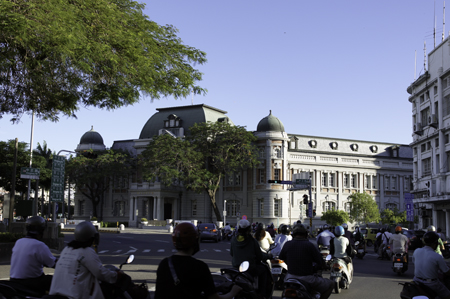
x: 378, y: 240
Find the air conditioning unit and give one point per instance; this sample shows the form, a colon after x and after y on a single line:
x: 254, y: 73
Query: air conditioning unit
x: 417, y: 128
x: 433, y: 121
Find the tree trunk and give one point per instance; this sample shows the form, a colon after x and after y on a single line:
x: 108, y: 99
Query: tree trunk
x: 212, y: 196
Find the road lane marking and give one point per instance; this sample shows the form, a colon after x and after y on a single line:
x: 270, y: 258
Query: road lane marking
x: 146, y: 250
x: 161, y: 250
x: 103, y: 251
x: 117, y: 242
x: 162, y: 241
x: 117, y: 251
x: 217, y: 250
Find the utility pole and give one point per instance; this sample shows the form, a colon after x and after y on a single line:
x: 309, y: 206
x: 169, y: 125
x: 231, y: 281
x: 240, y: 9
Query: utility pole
x: 13, y: 187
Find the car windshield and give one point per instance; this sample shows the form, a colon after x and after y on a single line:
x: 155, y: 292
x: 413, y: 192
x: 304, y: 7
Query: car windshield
x: 364, y: 231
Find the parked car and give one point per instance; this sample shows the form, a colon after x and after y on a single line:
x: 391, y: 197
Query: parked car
x: 415, y: 237
x: 209, y: 231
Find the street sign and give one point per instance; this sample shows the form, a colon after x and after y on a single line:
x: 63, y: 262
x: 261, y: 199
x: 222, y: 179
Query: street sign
x: 310, y: 210
x: 302, y: 184
x: 409, y: 206
x: 57, y: 187
x: 30, y: 173
x: 279, y: 182
x: 244, y: 217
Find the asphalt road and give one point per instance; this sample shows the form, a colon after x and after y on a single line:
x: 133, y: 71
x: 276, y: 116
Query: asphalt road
x: 372, y: 279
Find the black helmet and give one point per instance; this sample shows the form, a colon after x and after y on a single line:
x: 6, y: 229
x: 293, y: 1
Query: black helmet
x: 185, y: 236
x: 299, y: 229
x: 86, y: 232
x: 430, y: 238
x: 261, y: 226
x: 35, y: 226
x: 325, y: 226
x: 345, y: 226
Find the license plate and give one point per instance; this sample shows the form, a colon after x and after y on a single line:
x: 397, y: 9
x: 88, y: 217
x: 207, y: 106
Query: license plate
x: 398, y: 265
x: 360, y: 250
x: 336, y: 274
x: 276, y: 270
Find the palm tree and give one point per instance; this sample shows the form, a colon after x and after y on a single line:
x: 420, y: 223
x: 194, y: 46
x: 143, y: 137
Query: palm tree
x: 46, y: 178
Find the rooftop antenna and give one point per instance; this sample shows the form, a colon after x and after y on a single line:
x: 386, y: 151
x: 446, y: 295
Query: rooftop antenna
x: 424, y: 56
x: 443, y: 25
x: 434, y: 30
x: 415, y: 64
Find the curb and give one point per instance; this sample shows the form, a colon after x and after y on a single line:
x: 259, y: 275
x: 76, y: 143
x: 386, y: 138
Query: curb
x: 109, y: 231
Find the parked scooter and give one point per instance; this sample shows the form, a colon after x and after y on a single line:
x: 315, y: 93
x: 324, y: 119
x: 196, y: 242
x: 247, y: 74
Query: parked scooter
x: 360, y: 250
x: 400, y: 263
x: 249, y: 284
x: 339, y: 273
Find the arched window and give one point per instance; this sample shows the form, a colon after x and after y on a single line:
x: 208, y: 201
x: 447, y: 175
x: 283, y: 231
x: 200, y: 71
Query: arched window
x: 328, y: 205
x: 233, y: 207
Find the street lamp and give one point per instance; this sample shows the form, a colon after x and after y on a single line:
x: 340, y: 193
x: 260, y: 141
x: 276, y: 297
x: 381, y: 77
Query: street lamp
x: 224, y: 212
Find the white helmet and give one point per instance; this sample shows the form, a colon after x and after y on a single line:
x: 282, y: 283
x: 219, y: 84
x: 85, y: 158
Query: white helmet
x: 431, y: 228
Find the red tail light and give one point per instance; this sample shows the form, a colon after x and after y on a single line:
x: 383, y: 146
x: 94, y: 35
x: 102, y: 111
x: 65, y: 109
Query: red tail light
x: 290, y: 293
x: 213, y: 230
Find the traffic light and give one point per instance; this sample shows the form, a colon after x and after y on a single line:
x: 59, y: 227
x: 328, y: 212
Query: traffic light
x: 428, y: 187
x: 314, y: 213
x: 305, y: 199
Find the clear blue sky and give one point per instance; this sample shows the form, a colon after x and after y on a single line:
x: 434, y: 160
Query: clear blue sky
x: 325, y: 68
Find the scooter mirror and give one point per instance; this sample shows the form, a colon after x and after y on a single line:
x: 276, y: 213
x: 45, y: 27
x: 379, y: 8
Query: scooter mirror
x: 244, y: 266
x: 328, y: 257
x: 130, y: 259
x: 356, y: 243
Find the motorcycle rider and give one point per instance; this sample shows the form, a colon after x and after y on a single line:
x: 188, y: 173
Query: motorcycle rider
x: 441, y: 235
x: 263, y: 237
x: 340, y: 247
x: 325, y: 237
x: 281, y: 239
x: 399, y: 242
x: 358, y: 236
x: 348, y: 235
x: 440, y: 246
x: 299, y: 255
x: 427, y: 265
x: 245, y: 248
x: 226, y: 230
x: 30, y: 255
x: 79, y: 269
x: 192, y: 274
x: 271, y: 230
x: 385, y: 236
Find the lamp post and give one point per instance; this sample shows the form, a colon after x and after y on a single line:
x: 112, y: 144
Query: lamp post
x: 224, y: 212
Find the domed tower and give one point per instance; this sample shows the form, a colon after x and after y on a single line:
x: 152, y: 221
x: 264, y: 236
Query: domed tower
x: 272, y: 146
x: 91, y: 140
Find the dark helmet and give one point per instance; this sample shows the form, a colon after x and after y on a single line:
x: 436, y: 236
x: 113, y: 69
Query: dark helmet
x: 339, y: 231
x: 345, y: 226
x: 383, y: 230
x: 299, y: 229
x: 35, y: 226
x: 86, y: 232
x: 185, y: 236
x: 430, y: 238
x: 325, y: 226
x: 285, y: 229
x: 261, y: 226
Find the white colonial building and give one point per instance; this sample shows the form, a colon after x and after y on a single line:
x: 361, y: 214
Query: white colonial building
x: 337, y: 168
x: 430, y: 98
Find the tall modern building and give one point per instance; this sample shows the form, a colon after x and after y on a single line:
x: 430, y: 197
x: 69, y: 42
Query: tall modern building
x: 430, y: 99
x: 336, y: 167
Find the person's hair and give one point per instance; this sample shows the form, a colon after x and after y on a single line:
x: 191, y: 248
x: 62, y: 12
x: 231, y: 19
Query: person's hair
x: 77, y: 244
x: 439, y: 229
x: 260, y: 232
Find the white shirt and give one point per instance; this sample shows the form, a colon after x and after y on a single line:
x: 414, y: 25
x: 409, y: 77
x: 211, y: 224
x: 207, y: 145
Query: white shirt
x: 77, y: 274
x: 385, y: 237
x: 266, y: 241
x: 281, y: 240
x: 427, y: 262
x: 398, y: 243
x: 340, y: 246
x: 29, y: 256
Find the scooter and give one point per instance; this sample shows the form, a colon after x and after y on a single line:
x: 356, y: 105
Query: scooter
x: 339, y: 273
x: 399, y: 263
x: 296, y: 288
x: 278, y: 267
x: 446, y: 251
x: 123, y: 289
x: 360, y: 250
x: 242, y: 278
x: 324, y: 251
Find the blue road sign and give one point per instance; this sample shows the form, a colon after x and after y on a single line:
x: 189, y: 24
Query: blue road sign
x: 310, y: 210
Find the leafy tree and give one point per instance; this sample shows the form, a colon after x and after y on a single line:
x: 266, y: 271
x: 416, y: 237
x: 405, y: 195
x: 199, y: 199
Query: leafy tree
x: 335, y: 217
x: 92, y: 173
x: 45, y: 179
x: 389, y: 216
x: 363, y: 208
x: 59, y: 55
x: 211, y: 151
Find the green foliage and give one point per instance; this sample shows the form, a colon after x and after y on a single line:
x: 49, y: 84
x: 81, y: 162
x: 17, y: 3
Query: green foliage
x: 113, y: 224
x: 10, y: 237
x: 7, y: 152
x: 389, y: 216
x: 94, y: 218
x: 93, y: 172
x: 363, y: 208
x: 144, y: 220
x: 335, y: 217
x: 211, y: 151
x: 59, y: 55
